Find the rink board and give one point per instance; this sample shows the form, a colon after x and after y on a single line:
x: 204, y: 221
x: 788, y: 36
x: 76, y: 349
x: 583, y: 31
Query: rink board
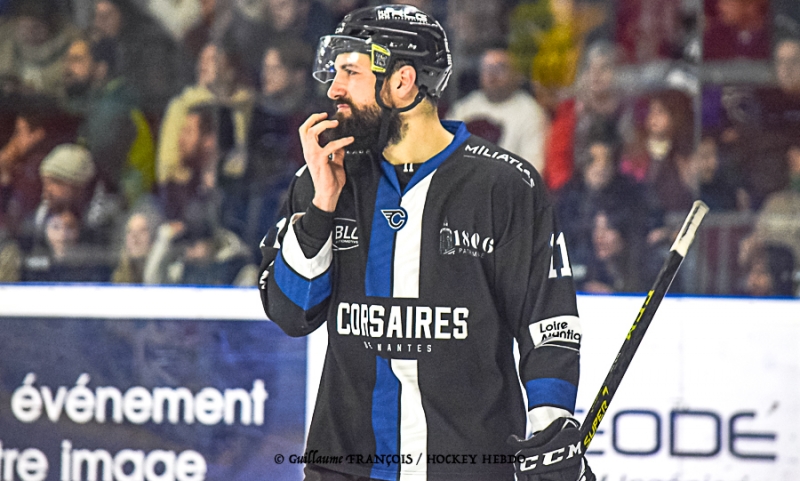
x: 712, y: 395
x: 194, y: 385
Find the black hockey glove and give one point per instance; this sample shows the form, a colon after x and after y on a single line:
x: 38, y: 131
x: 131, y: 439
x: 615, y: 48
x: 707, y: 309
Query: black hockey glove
x: 554, y: 454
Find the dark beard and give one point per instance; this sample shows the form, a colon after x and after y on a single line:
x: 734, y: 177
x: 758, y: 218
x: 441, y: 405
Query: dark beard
x: 364, y: 124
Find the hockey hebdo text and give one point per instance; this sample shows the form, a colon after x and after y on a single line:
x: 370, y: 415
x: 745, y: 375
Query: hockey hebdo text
x: 674, y: 434
x: 137, y: 405
x: 30, y: 403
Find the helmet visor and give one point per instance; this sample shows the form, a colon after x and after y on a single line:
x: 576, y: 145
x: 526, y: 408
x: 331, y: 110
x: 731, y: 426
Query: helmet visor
x: 331, y: 46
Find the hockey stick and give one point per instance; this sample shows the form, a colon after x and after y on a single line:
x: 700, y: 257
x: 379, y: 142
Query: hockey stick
x: 636, y: 333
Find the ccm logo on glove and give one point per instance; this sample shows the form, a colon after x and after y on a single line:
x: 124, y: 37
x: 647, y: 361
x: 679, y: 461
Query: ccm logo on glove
x: 552, y: 457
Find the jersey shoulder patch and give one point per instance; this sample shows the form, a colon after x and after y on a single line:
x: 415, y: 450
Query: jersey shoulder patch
x: 478, y: 148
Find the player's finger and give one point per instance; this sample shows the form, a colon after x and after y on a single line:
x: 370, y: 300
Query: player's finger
x: 320, y: 127
x: 337, y: 144
x: 311, y: 120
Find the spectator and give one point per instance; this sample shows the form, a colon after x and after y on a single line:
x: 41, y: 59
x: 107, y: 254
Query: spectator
x: 213, y: 19
x: 252, y: 195
x: 787, y: 65
x: 218, y: 83
x: 38, y: 127
x: 600, y: 185
x: 67, y: 175
x: 198, y: 154
x: 248, y: 32
x: 649, y: 30
x: 61, y: 231
x: 474, y: 25
x: 140, y: 232
x: 257, y: 25
x: 780, y: 107
x: 719, y: 188
x: 64, y: 257
x: 758, y: 125
x: 502, y: 112
x: 32, y: 45
x: 616, y: 263
x: 778, y: 221
x: 114, y: 128
x: 151, y: 62
x: 769, y: 272
x: 193, y: 251
x: 668, y: 124
x: 737, y: 28
x: 304, y: 20
x: 677, y: 184
x: 10, y: 259
x: 598, y: 101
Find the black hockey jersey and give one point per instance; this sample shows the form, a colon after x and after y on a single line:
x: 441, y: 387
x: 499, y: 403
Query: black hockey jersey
x: 424, y: 290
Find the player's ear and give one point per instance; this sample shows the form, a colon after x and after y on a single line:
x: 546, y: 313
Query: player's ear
x: 404, y: 84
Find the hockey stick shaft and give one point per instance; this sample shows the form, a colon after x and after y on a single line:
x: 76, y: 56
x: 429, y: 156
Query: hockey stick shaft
x: 664, y: 279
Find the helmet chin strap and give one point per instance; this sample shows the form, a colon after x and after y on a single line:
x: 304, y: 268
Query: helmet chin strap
x: 386, y: 111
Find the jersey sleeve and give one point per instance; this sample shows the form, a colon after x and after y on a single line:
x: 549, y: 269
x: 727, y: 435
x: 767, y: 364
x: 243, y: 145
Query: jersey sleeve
x: 295, y: 288
x: 538, y: 299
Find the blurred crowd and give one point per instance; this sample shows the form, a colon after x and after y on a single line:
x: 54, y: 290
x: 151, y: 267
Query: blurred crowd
x: 152, y: 142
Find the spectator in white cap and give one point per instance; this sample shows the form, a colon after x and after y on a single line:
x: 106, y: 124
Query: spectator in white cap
x: 65, y: 247
x: 67, y: 175
x: 69, y: 163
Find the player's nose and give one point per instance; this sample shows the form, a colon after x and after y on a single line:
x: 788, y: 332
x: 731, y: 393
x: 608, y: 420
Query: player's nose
x: 336, y: 90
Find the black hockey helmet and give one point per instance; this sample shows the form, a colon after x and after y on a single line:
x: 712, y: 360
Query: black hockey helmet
x: 389, y: 33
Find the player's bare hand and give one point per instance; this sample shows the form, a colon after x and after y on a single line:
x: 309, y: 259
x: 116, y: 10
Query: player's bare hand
x: 325, y: 164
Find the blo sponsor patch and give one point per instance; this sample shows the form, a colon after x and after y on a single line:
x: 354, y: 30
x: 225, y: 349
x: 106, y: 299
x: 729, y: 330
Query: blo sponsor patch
x: 556, y: 329
x: 345, y: 234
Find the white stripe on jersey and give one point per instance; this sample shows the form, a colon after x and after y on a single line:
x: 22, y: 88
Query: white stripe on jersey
x: 405, y: 282
x: 279, y: 228
x: 413, y: 423
x: 294, y: 257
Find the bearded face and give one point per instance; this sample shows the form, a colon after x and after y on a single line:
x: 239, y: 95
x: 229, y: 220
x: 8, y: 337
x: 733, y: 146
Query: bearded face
x: 364, y: 124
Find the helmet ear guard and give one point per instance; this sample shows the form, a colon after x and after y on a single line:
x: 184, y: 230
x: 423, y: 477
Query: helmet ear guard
x: 380, y: 58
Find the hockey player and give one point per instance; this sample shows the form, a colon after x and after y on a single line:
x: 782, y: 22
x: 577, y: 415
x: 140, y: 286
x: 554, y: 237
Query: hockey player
x: 428, y: 251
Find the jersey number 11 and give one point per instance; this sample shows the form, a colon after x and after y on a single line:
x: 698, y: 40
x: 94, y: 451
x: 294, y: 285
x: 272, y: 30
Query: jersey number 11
x: 565, y: 270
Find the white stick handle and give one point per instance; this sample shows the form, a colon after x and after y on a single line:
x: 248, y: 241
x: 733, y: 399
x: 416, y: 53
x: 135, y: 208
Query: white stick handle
x: 690, y: 225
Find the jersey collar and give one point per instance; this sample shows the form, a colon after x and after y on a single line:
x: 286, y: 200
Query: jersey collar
x: 458, y: 129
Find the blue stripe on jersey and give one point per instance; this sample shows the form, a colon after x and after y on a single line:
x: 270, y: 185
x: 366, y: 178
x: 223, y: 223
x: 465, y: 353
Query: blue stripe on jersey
x: 551, y: 392
x: 386, y: 417
x: 306, y: 293
x: 378, y: 282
